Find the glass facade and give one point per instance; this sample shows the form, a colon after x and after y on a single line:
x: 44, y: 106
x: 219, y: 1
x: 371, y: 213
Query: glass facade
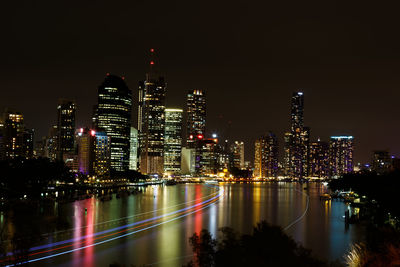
x: 113, y: 116
x: 196, y: 116
x: 65, y: 127
x: 173, y: 141
x: 266, y: 157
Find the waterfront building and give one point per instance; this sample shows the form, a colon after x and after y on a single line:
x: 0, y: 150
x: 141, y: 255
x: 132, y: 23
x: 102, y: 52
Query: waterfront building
x: 16, y: 140
x: 196, y: 116
x: 173, y: 141
x: 151, y: 121
x: 318, y: 159
x: 237, y: 150
x: 113, y: 117
x: 266, y: 157
x: 381, y: 161
x: 65, y: 127
x: 298, y: 139
x: 85, y: 141
x: 207, y: 155
x: 102, y: 155
x: 188, y: 161
x: 133, y: 153
x: 341, y: 150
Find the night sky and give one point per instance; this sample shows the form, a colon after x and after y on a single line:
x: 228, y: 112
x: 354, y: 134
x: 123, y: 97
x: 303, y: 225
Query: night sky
x: 249, y: 56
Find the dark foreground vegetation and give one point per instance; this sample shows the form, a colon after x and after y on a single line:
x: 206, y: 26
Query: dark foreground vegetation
x: 266, y: 246
x: 379, y: 199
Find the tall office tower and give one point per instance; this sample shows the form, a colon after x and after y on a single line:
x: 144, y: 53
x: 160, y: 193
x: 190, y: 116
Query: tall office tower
x: 102, y: 155
x: 341, y: 155
x: 299, y: 138
x: 381, y: 161
x: 266, y: 157
x: 114, y: 118
x: 237, y: 150
x: 196, y: 116
x: 17, y: 141
x: 173, y: 141
x: 65, y: 127
x: 207, y: 155
x: 85, y: 140
x: 151, y: 121
x: 318, y: 159
x: 133, y: 153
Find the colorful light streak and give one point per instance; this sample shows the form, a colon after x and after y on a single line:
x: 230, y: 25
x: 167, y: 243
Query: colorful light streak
x: 125, y: 228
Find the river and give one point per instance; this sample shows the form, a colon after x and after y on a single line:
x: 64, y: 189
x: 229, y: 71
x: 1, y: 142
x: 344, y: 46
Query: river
x: 153, y: 228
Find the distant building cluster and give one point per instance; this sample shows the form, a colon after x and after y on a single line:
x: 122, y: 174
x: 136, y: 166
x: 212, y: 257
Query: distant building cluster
x: 171, y: 142
x: 302, y: 158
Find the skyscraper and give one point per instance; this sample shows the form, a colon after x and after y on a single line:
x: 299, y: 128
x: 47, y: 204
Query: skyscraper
x: 266, y: 157
x: 173, y: 141
x: 151, y: 121
x: 196, y: 116
x: 133, y: 154
x: 318, y: 159
x: 113, y: 116
x: 65, y: 127
x: 341, y: 155
x: 237, y: 150
x: 299, y: 138
x: 381, y: 161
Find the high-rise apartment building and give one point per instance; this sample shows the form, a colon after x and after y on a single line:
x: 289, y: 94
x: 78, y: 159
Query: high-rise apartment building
x: 196, y: 116
x: 318, y: 163
x: 341, y: 155
x: 298, y: 138
x: 173, y: 141
x: 151, y: 121
x: 266, y: 157
x: 65, y: 127
x: 17, y: 141
x: 113, y: 117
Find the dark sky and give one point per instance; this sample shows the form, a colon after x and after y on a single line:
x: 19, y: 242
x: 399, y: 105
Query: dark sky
x: 248, y: 55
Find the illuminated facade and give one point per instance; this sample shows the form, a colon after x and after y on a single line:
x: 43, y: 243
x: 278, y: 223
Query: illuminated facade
x: 341, y: 155
x: 173, y: 141
x: 133, y: 153
x: 298, y: 139
x: 266, y: 157
x: 17, y: 141
x: 318, y: 159
x: 85, y: 140
x: 196, y: 116
x: 207, y: 155
x: 113, y: 116
x: 102, y: 155
x: 237, y: 150
x: 151, y: 122
x: 65, y: 127
x: 188, y: 161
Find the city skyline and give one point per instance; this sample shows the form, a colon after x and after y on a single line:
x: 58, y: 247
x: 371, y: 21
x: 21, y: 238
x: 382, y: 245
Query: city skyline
x: 334, y: 57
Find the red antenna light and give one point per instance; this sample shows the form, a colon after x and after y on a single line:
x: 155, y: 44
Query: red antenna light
x: 200, y: 136
x: 151, y: 62
x: 152, y: 50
